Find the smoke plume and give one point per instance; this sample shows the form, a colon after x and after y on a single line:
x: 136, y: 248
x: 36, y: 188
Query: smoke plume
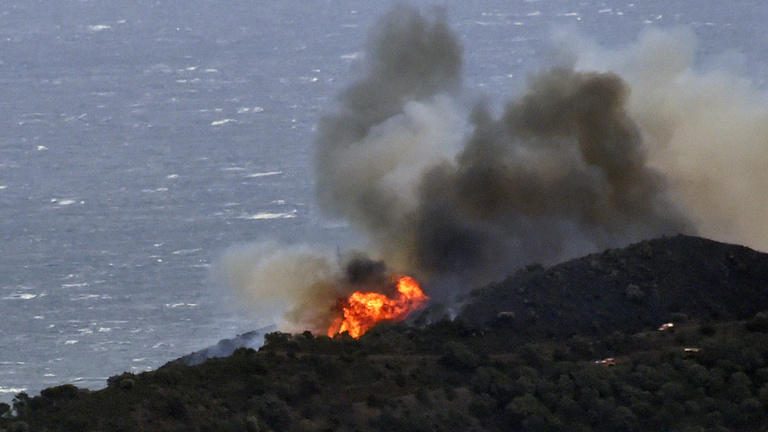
x: 613, y: 148
x: 562, y: 171
x: 705, y: 129
x: 293, y: 286
x: 298, y: 287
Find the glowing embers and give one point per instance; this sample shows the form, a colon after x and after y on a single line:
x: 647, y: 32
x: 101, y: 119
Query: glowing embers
x: 361, y: 311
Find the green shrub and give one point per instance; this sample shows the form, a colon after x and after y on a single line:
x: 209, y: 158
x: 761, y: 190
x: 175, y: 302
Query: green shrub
x: 494, y: 383
x: 19, y: 426
x: 758, y: 323
x: 175, y: 409
x: 422, y: 395
x: 482, y: 406
x: 66, y: 391
x: 457, y: 356
x: 525, y: 407
x: 273, y: 411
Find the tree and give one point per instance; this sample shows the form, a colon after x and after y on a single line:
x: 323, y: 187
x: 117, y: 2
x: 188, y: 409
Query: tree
x: 458, y: 356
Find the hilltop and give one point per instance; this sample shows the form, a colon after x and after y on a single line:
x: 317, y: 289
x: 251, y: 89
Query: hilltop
x: 628, y: 290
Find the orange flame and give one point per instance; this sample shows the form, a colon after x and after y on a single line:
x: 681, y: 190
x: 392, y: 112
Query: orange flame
x: 363, y: 310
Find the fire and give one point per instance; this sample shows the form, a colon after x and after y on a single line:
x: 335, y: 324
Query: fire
x: 363, y: 310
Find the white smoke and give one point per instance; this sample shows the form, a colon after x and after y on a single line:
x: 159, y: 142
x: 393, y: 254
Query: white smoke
x: 705, y: 128
x: 289, y: 285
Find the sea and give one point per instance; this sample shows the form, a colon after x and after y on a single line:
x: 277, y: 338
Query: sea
x: 141, y: 139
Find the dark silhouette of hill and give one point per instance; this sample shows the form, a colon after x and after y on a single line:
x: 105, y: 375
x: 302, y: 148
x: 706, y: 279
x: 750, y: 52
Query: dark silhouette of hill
x: 630, y: 289
x: 574, y: 347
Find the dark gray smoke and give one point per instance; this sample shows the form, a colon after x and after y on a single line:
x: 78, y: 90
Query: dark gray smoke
x: 409, y: 58
x: 561, y: 172
x: 361, y: 271
x: 459, y: 197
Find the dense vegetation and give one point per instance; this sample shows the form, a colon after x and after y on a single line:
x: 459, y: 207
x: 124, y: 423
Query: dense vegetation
x: 708, y: 372
x: 629, y: 289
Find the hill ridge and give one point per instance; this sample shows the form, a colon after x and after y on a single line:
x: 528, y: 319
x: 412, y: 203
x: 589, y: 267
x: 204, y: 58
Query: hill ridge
x: 628, y: 289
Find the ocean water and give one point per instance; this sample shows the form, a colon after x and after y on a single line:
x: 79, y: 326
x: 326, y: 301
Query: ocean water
x: 138, y: 140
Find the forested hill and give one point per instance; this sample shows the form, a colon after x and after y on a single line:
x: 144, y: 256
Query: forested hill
x: 667, y: 334
x: 629, y: 289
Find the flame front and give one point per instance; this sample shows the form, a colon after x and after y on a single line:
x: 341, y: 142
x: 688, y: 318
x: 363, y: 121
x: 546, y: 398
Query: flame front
x: 361, y: 311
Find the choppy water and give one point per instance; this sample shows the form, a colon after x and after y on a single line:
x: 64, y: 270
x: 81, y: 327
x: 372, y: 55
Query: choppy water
x: 140, y: 139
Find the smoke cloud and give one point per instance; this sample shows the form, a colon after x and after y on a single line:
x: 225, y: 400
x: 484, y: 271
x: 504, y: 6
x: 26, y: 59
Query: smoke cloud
x: 298, y: 287
x: 561, y: 172
x: 705, y: 129
x: 394, y: 123
x: 615, y: 147
x: 293, y: 286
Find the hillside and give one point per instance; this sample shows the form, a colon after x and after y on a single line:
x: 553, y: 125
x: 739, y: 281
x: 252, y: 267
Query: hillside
x: 630, y: 289
x: 575, y: 347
